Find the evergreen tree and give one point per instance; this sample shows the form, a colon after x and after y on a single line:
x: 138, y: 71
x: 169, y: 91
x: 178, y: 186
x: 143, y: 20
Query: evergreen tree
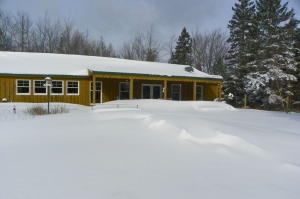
x: 242, y: 32
x: 219, y: 67
x: 1, y: 40
x: 272, y: 73
x: 243, y: 29
x: 183, y: 50
x: 296, y: 98
x: 1, y: 33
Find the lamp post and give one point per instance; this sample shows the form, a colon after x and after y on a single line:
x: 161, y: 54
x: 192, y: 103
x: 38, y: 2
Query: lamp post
x: 48, y: 84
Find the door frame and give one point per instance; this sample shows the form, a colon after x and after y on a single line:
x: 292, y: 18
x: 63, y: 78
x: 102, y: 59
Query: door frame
x: 199, y: 93
x: 100, y: 91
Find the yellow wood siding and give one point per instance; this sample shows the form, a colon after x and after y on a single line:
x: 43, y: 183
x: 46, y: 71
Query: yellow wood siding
x: 110, y: 88
x: 8, y: 91
x: 210, y: 92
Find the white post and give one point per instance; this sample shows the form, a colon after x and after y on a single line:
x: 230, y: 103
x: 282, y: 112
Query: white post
x: 48, y: 84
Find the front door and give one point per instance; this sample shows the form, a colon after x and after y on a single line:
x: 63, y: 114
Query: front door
x: 151, y: 91
x: 98, y: 92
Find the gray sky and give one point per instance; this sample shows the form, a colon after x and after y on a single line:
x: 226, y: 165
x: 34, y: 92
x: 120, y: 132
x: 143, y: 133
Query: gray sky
x: 118, y: 20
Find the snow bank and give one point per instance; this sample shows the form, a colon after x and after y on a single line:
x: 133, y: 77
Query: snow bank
x: 162, y: 149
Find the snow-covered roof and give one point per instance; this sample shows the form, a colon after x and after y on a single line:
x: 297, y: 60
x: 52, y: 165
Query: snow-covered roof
x: 79, y: 65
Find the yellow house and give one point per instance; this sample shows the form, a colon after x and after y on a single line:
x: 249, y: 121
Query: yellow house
x: 89, y: 80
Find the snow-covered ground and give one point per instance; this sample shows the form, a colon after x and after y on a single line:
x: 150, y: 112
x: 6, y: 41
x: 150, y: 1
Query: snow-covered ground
x: 149, y: 149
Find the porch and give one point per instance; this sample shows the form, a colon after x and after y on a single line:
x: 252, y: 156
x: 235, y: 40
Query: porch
x: 117, y: 87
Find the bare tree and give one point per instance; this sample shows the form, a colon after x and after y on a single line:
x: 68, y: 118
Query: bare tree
x: 78, y: 43
x: 45, y: 35
x: 208, y: 48
x: 23, y: 25
x: 153, y: 45
x: 7, y: 32
x: 139, y: 46
x: 134, y: 48
x: 39, y: 34
x: 18, y: 33
x: 144, y: 47
x: 53, y: 36
x: 100, y: 48
x: 110, y: 51
x: 65, y: 38
x: 126, y: 51
x: 169, y: 46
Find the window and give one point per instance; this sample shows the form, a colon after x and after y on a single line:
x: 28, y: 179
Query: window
x: 97, y: 91
x: 98, y: 86
x: 72, y: 87
x: 40, y: 87
x: 23, y: 87
x: 124, y: 90
x: 199, y: 90
x: 176, y: 91
x: 57, y: 88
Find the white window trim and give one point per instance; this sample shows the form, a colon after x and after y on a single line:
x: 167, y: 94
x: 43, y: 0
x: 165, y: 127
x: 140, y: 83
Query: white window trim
x: 17, y: 87
x: 72, y: 87
x: 177, y: 92
x: 201, y: 92
x: 42, y: 86
x: 57, y: 87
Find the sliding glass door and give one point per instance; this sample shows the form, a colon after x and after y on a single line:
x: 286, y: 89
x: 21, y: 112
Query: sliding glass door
x: 151, y: 91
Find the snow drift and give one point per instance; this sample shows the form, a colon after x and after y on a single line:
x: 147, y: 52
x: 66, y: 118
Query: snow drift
x: 150, y: 149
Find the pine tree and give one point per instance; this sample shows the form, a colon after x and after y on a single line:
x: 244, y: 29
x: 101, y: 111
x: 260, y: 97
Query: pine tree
x: 271, y: 75
x: 1, y: 32
x: 183, y: 50
x: 219, y: 67
x: 243, y: 29
x: 296, y: 91
x: 1, y: 38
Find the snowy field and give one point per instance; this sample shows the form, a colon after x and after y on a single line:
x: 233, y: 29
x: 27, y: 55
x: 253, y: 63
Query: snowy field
x: 149, y: 149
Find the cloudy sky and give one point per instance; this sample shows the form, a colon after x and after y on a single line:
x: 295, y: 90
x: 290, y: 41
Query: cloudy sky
x: 118, y: 20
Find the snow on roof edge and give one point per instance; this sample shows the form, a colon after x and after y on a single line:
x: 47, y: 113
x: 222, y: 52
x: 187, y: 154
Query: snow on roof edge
x: 28, y: 63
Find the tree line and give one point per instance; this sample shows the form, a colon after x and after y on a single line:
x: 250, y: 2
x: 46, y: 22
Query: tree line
x: 20, y: 33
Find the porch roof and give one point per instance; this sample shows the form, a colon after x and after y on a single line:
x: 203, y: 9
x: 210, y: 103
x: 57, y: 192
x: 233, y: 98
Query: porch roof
x: 47, y: 64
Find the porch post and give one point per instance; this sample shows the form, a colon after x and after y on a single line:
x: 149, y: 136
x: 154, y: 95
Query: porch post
x: 194, y: 91
x: 94, y: 89
x: 165, y: 89
x: 220, y: 91
x: 131, y: 89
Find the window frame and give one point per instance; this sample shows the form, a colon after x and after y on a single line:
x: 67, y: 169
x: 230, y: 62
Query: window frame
x: 62, y: 87
x: 127, y: 83
x: 200, y: 93
x: 67, y: 87
x: 29, y: 87
x: 176, y: 91
x: 42, y: 86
